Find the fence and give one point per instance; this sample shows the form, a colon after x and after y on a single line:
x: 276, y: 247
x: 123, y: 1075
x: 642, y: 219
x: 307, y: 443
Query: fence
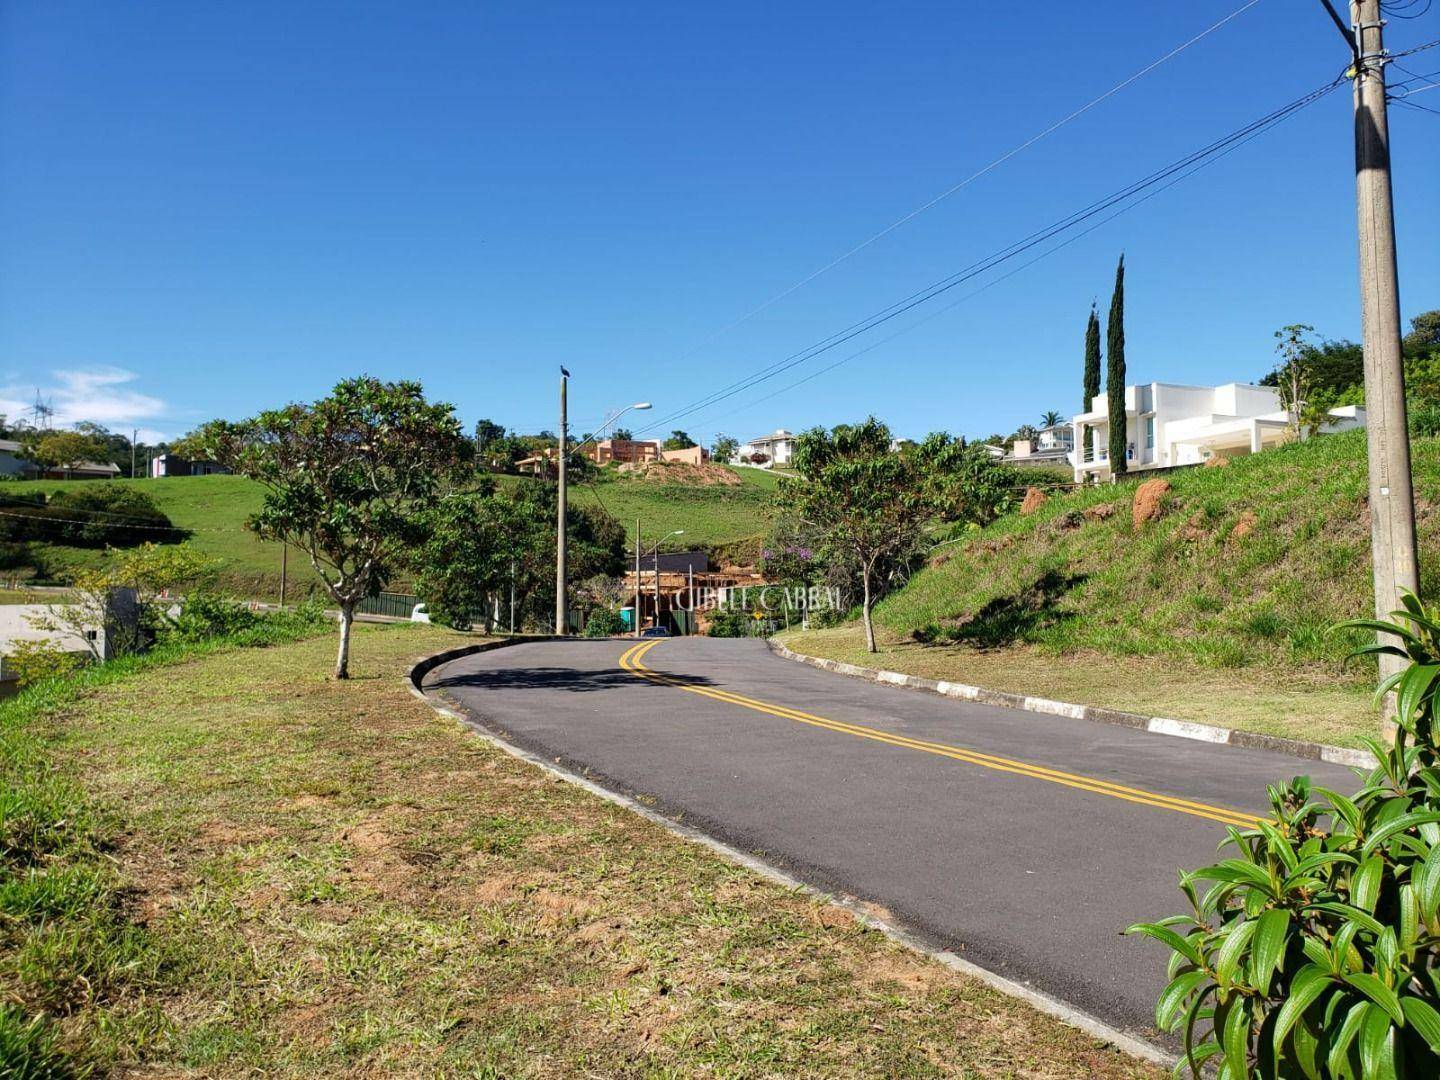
x: 400, y: 605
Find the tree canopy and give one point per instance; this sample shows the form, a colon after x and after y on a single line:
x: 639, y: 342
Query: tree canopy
x: 347, y: 478
x: 869, y: 502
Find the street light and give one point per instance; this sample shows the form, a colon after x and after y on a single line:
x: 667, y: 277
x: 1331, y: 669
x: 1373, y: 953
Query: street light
x: 562, y: 510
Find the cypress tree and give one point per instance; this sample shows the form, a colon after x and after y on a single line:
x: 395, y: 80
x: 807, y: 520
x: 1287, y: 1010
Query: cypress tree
x: 1115, y: 373
x: 1092, y: 361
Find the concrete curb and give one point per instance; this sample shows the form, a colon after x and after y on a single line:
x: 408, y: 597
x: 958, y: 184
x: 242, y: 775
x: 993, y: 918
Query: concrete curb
x: 1155, y: 725
x: 1038, y: 999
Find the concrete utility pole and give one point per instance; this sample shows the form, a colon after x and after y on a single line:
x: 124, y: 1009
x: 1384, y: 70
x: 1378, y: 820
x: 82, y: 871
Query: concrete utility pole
x: 561, y: 620
x: 636, y: 619
x: 134, y: 464
x: 1392, y: 503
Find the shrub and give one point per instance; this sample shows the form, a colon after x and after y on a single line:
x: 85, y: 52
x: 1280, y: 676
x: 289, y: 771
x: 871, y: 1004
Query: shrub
x: 31, y: 661
x: 604, y: 622
x: 729, y: 624
x: 205, y: 615
x: 1316, y: 950
x: 92, y: 515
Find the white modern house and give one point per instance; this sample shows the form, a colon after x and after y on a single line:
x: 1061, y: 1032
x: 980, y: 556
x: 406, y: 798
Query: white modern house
x: 778, y: 448
x: 1168, y: 425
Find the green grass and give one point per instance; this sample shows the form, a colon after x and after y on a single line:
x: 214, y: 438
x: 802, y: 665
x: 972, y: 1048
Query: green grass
x: 710, y: 516
x: 1191, y: 600
x: 214, y: 509
x: 1186, y: 587
x: 298, y: 877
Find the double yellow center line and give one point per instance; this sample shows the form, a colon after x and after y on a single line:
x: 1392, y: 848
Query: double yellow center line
x: 632, y: 661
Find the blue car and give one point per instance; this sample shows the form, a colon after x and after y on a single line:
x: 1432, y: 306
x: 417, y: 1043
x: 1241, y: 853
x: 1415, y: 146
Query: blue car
x: 655, y: 631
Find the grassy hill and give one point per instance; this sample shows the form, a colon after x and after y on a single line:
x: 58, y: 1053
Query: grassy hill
x: 1249, y: 564
x: 710, y: 516
x: 1218, y: 611
x: 214, y: 508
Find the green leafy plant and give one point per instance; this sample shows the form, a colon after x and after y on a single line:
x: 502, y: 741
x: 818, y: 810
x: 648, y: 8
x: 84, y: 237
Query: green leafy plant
x: 604, y: 622
x: 29, y: 661
x: 1315, y: 951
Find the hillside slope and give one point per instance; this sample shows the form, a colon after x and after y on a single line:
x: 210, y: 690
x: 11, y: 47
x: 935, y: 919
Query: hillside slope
x: 1249, y: 564
x: 214, y: 508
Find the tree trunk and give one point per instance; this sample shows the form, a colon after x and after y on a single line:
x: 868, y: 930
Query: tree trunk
x: 342, y: 659
x: 865, y: 611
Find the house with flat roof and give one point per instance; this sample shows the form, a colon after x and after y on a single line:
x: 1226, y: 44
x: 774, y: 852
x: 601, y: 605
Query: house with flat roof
x: 1168, y: 425
x: 175, y: 465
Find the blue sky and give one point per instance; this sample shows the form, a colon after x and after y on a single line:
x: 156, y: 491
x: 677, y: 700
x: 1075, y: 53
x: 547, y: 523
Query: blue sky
x: 211, y: 209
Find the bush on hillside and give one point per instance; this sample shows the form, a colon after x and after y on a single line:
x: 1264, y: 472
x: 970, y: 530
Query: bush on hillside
x: 93, y: 515
x: 1316, y: 949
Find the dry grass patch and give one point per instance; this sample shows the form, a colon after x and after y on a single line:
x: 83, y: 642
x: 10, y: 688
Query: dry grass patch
x: 1306, y: 705
x: 338, y: 881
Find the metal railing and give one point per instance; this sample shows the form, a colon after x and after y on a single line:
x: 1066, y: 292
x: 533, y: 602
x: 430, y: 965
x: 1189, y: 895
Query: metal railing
x: 399, y: 605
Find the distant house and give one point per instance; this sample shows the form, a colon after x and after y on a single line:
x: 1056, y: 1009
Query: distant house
x: 1167, y: 425
x: 687, y: 455
x: 773, y: 450
x: 623, y: 451
x: 79, y: 470
x: 1051, y: 446
x: 11, y: 463
x: 639, y: 451
x: 175, y: 465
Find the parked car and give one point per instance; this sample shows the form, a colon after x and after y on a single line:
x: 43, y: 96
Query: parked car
x: 421, y: 613
x: 655, y: 631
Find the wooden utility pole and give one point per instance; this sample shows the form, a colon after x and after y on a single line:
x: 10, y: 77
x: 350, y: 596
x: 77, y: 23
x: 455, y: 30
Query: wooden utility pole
x: 1392, y: 502
x: 284, y: 567
x: 562, y: 626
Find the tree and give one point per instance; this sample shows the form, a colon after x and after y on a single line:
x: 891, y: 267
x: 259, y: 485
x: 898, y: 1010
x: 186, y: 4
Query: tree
x: 346, y: 478
x: 479, y: 544
x: 868, y: 503
x: 1294, y: 377
x: 487, y: 437
x: 724, y: 449
x: 1334, y: 366
x: 1424, y: 334
x: 1092, y: 361
x: 62, y: 449
x: 1024, y: 431
x: 1115, y: 375
x: 678, y: 440
x: 1049, y: 418
x: 623, y: 434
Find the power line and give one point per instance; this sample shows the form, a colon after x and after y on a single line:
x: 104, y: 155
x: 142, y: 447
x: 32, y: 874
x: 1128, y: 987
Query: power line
x: 1412, y: 105
x: 929, y: 292
x: 991, y: 284
x: 922, y: 208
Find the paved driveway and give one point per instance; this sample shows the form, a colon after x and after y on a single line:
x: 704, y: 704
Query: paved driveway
x: 1024, y: 842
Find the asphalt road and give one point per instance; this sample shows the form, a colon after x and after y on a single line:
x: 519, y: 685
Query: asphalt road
x: 1024, y: 842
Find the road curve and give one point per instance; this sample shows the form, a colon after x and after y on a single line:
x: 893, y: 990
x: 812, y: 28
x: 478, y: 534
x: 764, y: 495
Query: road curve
x: 1023, y: 842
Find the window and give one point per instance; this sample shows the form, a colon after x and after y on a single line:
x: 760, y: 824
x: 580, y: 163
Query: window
x: 1149, y: 433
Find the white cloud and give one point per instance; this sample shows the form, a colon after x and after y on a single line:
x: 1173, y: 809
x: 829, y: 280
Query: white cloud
x: 101, y: 395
